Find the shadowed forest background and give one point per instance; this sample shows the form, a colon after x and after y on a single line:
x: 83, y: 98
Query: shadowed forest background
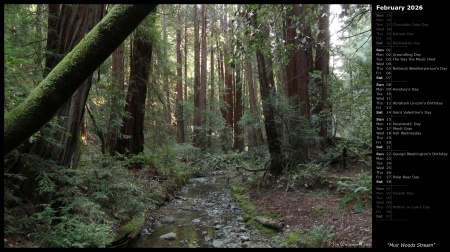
x: 278, y: 96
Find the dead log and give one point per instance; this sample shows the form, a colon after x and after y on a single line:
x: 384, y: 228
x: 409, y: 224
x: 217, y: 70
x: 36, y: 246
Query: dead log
x: 127, y: 232
x: 269, y: 223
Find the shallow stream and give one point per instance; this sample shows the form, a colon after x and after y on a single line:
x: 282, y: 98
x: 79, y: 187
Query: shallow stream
x: 204, y: 215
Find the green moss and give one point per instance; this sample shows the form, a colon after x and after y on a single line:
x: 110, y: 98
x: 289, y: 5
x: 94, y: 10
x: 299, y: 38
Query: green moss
x: 266, y: 231
x: 292, y: 239
x: 251, y: 211
x: 319, y: 210
x: 131, y: 229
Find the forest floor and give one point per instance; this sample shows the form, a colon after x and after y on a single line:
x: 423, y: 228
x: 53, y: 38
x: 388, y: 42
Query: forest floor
x: 305, y: 207
x: 302, y: 210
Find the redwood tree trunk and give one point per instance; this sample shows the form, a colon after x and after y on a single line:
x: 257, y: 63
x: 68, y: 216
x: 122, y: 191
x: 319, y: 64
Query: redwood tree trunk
x: 256, y: 133
x: 197, y: 112
x: 267, y: 88
x: 141, y: 56
x: 118, y: 87
x: 179, y: 108
x: 304, y: 64
x: 322, y: 64
x: 202, y: 98
x: 72, y: 23
x: 61, y: 83
x: 238, y: 139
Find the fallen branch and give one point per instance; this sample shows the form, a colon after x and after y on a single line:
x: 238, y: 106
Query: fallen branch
x: 269, y: 223
x: 127, y: 232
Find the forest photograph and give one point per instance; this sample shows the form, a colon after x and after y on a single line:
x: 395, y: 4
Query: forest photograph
x: 187, y: 125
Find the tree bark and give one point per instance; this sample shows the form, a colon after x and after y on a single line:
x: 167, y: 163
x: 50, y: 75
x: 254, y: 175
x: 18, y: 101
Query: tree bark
x: 303, y: 64
x: 166, y: 77
x: 203, y: 74
x: 133, y: 126
x: 322, y: 64
x: 74, y: 22
x: 238, y: 139
x: 117, y: 95
x: 229, y: 104
x: 211, y: 94
x: 269, y: 223
x: 60, y: 84
x: 179, y: 109
x: 197, y: 84
x: 267, y: 89
x: 256, y: 132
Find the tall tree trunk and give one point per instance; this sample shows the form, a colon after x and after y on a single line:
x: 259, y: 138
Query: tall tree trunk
x: 117, y: 95
x: 52, y: 58
x: 74, y: 22
x: 304, y: 64
x: 212, y: 92
x: 133, y: 126
x: 179, y: 109
x: 291, y: 68
x: 267, y: 89
x: 185, y: 61
x: 227, y: 105
x: 39, y: 14
x: 228, y: 75
x: 238, y: 139
x: 61, y: 83
x: 322, y: 64
x: 221, y: 70
x: 203, y: 74
x: 254, y: 111
x: 166, y: 77
x: 197, y: 84
x: 212, y: 83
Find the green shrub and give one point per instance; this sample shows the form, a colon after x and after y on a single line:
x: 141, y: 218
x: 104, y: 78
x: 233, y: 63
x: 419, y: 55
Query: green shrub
x: 357, y: 190
x: 317, y: 238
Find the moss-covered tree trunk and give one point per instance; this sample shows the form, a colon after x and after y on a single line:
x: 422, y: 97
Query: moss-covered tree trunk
x: 73, y: 24
x: 61, y: 83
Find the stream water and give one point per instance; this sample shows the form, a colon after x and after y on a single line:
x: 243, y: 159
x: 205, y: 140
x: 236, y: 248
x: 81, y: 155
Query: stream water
x: 204, y: 215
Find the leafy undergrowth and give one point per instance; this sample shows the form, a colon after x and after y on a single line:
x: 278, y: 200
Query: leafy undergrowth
x: 321, y: 205
x: 95, y: 200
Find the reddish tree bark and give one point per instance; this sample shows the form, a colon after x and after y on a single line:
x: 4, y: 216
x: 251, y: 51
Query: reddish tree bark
x: 68, y: 24
x: 141, y: 55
